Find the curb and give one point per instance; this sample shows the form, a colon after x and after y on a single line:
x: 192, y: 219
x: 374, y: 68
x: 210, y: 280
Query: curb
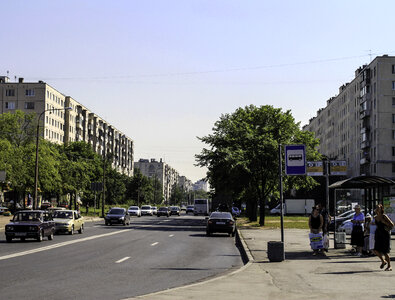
x: 245, y: 255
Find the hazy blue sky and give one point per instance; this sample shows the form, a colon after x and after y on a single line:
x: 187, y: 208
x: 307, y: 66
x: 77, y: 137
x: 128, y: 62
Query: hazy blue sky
x: 164, y: 71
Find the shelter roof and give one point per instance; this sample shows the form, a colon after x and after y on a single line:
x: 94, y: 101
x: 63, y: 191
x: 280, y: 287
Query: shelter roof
x: 362, y: 182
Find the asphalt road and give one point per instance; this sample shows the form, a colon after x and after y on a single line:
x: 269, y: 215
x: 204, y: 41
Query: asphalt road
x: 115, y: 262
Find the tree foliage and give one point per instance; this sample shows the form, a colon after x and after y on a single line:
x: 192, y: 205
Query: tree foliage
x: 242, y: 154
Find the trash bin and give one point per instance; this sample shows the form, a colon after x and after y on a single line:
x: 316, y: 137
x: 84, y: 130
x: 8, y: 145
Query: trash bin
x: 275, y: 251
x: 340, y: 240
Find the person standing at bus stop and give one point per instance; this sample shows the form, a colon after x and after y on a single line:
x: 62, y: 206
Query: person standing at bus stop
x: 383, y: 237
x: 357, y: 238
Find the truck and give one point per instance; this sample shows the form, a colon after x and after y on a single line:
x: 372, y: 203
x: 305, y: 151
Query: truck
x: 295, y: 207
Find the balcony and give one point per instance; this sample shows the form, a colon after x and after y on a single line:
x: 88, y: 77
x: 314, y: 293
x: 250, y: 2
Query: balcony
x: 364, y: 160
x: 365, y: 129
x: 364, y: 114
x: 365, y: 144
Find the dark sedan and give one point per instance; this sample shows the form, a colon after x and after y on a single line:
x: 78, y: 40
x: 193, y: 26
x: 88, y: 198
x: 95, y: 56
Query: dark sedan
x: 163, y: 211
x: 117, y: 215
x: 30, y: 224
x: 174, y: 210
x: 222, y: 222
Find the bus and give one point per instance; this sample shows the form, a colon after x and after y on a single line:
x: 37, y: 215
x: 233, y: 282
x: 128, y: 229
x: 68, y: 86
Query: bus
x: 201, y: 207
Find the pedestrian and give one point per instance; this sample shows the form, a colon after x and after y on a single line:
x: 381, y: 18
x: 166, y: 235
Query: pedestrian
x: 383, y: 237
x: 366, y: 234
x: 315, y: 224
x: 326, y: 219
x: 357, y: 238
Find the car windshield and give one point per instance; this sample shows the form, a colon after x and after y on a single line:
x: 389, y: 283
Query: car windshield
x: 163, y: 208
x: 63, y: 214
x: 200, y: 201
x: 133, y: 208
x: 116, y: 211
x: 27, y: 216
x: 173, y: 208
x: 190, y: 206
x: 217, y: 215
x: 146, y: 207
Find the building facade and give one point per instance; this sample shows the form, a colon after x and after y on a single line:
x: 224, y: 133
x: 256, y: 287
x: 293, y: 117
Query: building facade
x: 167, y: 176
x: 200, y: 185
x: 60, y: 126
x: 358, y: 125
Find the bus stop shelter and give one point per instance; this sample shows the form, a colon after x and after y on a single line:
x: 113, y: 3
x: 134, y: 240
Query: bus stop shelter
x: 375, y: 188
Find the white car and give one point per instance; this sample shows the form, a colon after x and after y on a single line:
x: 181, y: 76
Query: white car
x: 154, y: 210
x: 346, y: 227
x: 146, y: 210
x: 134, y: 211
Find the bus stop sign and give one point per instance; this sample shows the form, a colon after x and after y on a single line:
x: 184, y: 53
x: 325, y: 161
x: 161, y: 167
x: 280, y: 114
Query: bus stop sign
x: 295, y: 160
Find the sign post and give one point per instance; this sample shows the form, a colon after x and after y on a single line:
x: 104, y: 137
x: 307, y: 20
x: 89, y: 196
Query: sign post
x: 295, y: 160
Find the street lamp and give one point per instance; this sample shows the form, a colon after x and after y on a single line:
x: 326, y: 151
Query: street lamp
x: 37, y: 143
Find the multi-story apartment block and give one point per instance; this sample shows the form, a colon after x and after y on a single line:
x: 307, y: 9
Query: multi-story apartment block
x: 75, y: 124
x: 185, y: 184
x: 358, y: 125
x: 167, y: 176
x: 200, y: 185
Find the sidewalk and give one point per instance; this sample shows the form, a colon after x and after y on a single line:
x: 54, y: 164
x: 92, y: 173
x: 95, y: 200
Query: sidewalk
x: 338, y: 275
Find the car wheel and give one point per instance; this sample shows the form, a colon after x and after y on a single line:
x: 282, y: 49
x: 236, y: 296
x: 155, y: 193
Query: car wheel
x: 40, y: 236
x: 9, y: 239
x: 50, y: 237
x: 23, y: 239
x: 208, y: 233
x: 233, y: 233
x: 106, y: 223
x: 71, y: 232
x: 81, y: 229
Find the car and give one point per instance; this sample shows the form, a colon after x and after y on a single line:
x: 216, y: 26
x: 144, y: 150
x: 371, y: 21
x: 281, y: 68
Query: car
x: 45, y: 205
x: 30, y: 224
x: 68, y: 221
x: 163, y: 211
x: 134, y: 211
x: 340, y: 219
x: 236, y: 211
x: 146, y: 210
x: 3, y: 209
x: 346, y: 227
x: 154, y: 210
x: 183, y: 208
x: 190, y: 209
x: 174, y: 210
x: 117, y: 215
x: 52, y: 210
x: 221, y: 222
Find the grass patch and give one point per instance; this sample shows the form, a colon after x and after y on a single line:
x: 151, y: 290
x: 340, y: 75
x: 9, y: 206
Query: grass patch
x: 271, y: 222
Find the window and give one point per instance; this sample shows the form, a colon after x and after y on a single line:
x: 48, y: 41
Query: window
x: 393, y: 151
x: 393, y: 69
x: 29, y: 92
x: 10, y: 105
x: 10, y: 93
x: 393, y: 134
x: 393, y: 167
x: 29, y: 105
x: 393, y: 118
x: 393, y: 85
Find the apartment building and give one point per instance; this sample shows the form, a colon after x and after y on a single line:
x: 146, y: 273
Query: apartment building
x: 167, y: 176
x: 358, y: 125
x: 75, y: 124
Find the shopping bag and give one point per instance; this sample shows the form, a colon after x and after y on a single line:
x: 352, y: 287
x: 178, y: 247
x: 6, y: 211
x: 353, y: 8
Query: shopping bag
x: 316, y: 241
x: 325, y: 242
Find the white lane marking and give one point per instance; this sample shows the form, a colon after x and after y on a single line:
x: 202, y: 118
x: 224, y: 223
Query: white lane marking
x: 123, y: 259
x: 166, y: 220
x: 62, y: 244
x: 171, y: 235
x: 154, y: 244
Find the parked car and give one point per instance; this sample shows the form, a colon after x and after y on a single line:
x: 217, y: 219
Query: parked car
x: 117, y: 215
x: 340, y: 219
x: 174, y: 210
x: 34, y: 224
x: 346, y: 227
x: 221, y: 222
x: 163, y: 211
x: 134, y: 211
x: 190, y: 209
x: 68, y: 221
x: 236, y: 211
x: 154, y: 210
x: 146, y: 210
x: 3, y: 209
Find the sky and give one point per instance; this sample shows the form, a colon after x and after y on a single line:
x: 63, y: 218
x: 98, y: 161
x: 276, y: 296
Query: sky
x: 163, y: 72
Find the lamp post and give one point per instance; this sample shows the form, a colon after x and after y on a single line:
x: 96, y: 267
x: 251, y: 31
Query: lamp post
x: 37, y: 144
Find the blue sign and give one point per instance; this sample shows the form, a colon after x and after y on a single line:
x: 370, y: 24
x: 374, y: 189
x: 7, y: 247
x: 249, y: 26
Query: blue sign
x: 295, y: 160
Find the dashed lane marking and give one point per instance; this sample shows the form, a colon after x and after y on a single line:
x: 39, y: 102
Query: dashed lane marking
x: 154, y: 244
x: 122, y: 259
x: 62, y: 244
x: 171, y: 235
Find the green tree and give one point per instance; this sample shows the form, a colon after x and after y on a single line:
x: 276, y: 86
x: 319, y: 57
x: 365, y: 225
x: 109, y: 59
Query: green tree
x: 242, y: 158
